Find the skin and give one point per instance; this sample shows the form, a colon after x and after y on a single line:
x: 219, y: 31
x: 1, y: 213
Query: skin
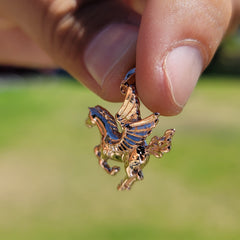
x: 53, y: 33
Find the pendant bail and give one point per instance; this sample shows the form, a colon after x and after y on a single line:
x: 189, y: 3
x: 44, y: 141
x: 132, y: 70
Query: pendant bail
x: 129, y: 81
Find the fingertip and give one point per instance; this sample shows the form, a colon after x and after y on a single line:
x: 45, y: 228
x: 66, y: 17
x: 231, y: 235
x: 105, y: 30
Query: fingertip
x: 176, y: 42
x: 154, y: 91
x: 167, y: 85
x: 124, y: 52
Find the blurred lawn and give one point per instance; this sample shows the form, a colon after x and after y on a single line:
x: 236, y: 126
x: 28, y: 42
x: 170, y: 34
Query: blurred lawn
x: 51, y: 186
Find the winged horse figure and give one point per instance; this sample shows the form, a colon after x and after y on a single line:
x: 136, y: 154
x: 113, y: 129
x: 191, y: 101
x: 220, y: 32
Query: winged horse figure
x: 128, y: 146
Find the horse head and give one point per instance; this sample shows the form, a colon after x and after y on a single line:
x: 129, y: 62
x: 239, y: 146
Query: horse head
x: 105, y: 122
x: 92, y: 118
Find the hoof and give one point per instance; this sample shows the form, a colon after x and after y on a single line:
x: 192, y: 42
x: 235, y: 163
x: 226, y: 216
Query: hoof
x: 122, y: 187
x: 115, y: 170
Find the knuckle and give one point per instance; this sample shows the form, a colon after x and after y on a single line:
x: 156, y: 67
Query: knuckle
x: 60, y: 29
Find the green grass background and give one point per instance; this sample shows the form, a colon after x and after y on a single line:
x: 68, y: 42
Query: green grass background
x: 51, y: 186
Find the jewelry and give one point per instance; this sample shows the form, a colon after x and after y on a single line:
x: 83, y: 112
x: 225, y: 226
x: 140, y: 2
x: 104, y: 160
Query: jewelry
x: 128, y: 146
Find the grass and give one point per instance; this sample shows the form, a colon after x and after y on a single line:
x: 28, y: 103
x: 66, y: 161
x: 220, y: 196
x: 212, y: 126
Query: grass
x: 51, y: 186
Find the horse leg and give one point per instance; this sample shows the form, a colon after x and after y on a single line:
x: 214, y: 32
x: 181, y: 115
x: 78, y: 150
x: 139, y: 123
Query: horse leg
x: 127, y: 183
x: 103, y: 162
x: 133, y: 174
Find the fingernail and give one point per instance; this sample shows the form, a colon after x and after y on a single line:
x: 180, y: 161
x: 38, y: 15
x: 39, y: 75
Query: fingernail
x: 183, y: 66
x: 109, y: 50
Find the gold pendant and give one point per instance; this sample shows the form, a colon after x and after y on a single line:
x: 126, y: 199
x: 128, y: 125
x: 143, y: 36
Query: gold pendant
x: 128, y: 146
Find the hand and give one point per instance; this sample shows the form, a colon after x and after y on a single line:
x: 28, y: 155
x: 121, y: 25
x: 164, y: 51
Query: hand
x: 99, y: 41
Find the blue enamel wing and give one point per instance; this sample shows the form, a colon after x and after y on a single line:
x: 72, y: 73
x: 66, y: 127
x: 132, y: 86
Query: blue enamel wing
x: 128, y: 145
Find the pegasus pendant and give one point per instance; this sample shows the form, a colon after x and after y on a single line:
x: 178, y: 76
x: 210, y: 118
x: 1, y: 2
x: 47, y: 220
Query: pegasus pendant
x: 128, y: 146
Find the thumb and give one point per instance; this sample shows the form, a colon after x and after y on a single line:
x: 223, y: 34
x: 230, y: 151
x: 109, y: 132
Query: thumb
x: 95, y: 41
x: 177, y: 40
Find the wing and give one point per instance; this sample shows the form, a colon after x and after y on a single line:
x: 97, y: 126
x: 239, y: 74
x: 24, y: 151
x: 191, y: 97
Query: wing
x: 129, y: 111
x: 135, y: 133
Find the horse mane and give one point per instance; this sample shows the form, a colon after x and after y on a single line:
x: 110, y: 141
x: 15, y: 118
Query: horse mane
x: 108, y: 122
